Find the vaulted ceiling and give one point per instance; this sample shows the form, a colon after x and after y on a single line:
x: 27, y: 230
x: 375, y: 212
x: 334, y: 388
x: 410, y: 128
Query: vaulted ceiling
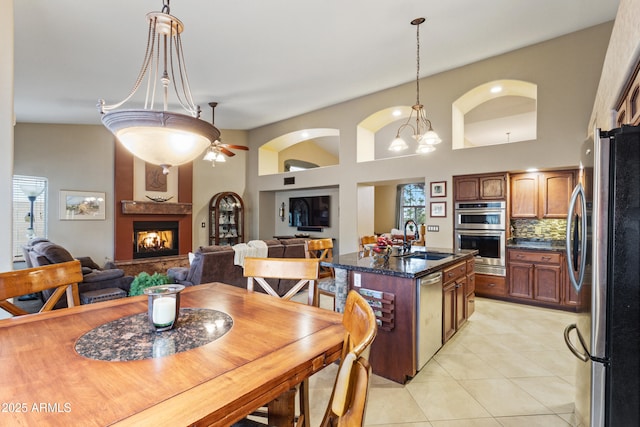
x: 265, y: 61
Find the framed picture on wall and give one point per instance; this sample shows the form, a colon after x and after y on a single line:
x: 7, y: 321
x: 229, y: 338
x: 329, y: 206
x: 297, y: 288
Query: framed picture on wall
x: 82, y: 205
x: 439, y: 189
x: 438, y: 209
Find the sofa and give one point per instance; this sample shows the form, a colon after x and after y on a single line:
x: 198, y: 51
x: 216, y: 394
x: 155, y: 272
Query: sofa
x: 40, y: 251
x: 216, y: 264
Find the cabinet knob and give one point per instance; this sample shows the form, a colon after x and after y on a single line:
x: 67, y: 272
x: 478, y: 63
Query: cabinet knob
x: 491, y: 285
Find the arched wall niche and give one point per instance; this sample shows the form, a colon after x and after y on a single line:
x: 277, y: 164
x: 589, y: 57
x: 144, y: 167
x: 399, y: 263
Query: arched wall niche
x: 496, y: 112
x: 318, y: 146
x: 375, y: 129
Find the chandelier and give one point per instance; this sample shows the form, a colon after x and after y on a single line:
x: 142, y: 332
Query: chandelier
x: 158, y: 136
x: 423, y: 132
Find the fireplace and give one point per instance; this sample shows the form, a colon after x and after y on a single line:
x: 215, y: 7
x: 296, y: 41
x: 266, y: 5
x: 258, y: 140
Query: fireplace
x: 155, y: 239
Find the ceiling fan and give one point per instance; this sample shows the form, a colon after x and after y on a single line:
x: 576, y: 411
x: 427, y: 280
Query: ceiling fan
x: 217, y: 148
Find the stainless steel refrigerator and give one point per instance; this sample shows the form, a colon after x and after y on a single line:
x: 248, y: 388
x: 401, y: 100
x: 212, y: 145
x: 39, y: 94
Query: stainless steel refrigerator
x: 603, y: 257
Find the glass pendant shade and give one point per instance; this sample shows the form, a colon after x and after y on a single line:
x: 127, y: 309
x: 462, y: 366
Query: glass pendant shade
x: 430, y: 138
x: 425, y: 149
x: 398, y: 144
x: 160, y: 137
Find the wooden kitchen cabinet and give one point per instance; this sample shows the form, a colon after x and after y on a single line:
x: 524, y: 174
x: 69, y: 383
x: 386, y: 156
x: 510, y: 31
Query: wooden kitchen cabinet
x: 524, y: 195
x: 480, y: 187
x: 628, y: 107
x: 470, y: 289
x: 488, y: 285
x: 535, y: 275
x: 454, y: 299
x: 542, y: 194
x: 555, y: 193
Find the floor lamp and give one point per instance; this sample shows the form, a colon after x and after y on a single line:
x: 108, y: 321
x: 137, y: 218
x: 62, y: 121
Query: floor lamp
x: 32, y: 192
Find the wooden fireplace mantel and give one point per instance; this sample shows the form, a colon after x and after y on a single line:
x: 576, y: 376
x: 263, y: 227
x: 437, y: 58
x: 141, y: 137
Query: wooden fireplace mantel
x: 155, y: 208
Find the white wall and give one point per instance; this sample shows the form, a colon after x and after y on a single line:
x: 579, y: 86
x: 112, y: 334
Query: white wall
x: 6, y: 131
x: 71, y: 157
x: 566, y: 71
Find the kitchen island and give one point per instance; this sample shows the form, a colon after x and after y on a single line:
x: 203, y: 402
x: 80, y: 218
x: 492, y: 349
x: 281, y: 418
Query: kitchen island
x: 421, y: 299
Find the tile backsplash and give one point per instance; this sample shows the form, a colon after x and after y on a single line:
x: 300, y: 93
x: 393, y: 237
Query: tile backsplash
x: 548, y: 229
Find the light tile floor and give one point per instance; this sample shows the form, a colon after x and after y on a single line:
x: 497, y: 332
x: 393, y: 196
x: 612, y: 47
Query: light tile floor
x: 507, y: 366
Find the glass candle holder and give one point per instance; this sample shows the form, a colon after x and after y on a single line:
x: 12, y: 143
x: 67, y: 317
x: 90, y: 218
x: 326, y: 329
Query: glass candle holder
x: 164, y: 306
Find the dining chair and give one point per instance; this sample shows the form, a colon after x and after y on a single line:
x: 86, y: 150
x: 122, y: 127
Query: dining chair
x: 305, y: 271
x: 347, y: 403
x: 367, y: 240
x: 64, y: 277
x: 322, y: 249
x: 361, y: 328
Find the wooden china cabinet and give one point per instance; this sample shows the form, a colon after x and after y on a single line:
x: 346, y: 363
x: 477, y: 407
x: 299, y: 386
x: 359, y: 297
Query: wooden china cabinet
x: 226, y: 219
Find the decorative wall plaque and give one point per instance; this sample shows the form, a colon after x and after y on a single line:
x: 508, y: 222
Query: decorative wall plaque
x: 154, y: 179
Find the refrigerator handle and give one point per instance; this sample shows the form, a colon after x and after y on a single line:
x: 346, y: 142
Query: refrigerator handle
x: 585, y: 357
x: 578, y: 194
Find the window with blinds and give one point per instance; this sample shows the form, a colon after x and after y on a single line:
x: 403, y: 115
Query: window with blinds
x: 411, y: 204
x: 25, y: 190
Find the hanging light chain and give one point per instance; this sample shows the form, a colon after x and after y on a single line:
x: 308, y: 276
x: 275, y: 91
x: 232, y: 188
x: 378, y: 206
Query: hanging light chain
x: 418, y: 63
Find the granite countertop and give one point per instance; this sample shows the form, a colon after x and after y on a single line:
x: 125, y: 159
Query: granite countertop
x: 537, y: 244
x: 399, y: 266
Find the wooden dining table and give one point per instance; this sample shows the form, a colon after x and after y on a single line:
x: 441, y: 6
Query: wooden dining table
x: 271, y: 346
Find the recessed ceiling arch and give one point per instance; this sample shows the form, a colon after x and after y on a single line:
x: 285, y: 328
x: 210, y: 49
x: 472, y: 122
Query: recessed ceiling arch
x: 521, y: 96
x: 268, y: 153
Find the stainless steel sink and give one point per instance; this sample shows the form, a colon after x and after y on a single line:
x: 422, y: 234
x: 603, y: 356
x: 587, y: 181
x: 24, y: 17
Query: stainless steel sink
x: 429, y: 256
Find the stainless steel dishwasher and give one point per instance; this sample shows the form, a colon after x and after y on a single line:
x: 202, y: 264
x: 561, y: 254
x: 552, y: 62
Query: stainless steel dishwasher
x: 428, y: 317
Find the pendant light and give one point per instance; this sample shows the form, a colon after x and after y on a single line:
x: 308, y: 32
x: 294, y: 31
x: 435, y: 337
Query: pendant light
x: 423, y: 132
x: 158, y: 136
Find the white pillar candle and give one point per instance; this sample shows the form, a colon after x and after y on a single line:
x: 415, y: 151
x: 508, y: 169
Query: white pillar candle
x: 164, y: 310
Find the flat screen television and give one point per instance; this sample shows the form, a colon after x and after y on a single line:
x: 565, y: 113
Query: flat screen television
x: 313, y: 211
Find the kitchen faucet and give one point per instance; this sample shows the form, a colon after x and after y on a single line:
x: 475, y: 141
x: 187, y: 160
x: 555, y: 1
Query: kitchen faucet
x: 406, y: 246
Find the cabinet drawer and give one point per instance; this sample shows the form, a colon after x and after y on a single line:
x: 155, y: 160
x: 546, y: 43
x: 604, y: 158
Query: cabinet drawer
x: 488, y: 285
x: 471, y: 284
x: 471, y: 265
x: 546, y: 257
x: 454, y: 272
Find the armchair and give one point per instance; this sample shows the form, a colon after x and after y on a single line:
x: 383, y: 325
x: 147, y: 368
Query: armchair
x: 40, y: 252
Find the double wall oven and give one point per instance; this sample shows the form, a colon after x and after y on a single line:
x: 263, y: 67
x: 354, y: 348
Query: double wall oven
x: 482, y: 226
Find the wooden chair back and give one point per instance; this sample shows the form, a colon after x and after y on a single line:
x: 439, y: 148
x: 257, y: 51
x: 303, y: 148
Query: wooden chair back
x: 63, y: 276
x: 349, y: 401
x: 320, y: 249
x: 304, y: 270
x: 360, y: 325
x: 367, y: 240
x: 361, y: 328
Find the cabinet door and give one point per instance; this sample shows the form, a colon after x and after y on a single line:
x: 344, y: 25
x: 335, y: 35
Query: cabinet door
x: 448, y: 311
x: 466, y: 188
x: 547, y: 279
x: 556, y: 189
x: 521, y: 280
x: 524, y: 195
x: 461, y: 313
x: 493, y: 187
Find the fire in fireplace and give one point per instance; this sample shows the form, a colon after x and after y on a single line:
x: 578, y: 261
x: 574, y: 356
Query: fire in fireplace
x: 155, y: 238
